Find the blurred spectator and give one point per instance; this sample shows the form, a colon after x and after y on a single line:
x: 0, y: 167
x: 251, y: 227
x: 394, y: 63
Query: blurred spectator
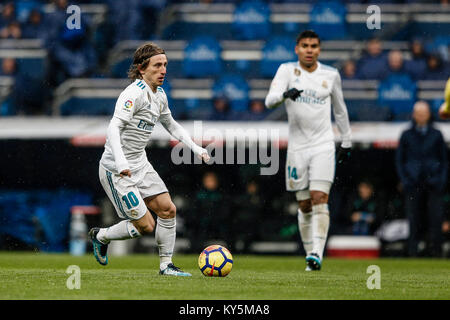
x: 348, y: 71
x: 209, y: 214
x: 34, y: 28
x: 365, y: 210
x: 436, y: 69
x: 8, y: 69
x: 141, y: 16
x: 373, y: 64
x: 73, y: 57
x: 221, y: 110
x: 257, y: 111
x: 8, y: 14
x: 28, y: 94
x: 12, y: 30
x: 421, y: 162
x: 150, y: 10
x: 396, y: 204
x: 56, y: 23
x: 417, y: 65
x: 247, y: 208
x: 395, y: 62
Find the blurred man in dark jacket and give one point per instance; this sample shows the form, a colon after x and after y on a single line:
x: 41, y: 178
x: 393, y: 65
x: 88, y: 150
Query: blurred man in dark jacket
x: 421, y: 162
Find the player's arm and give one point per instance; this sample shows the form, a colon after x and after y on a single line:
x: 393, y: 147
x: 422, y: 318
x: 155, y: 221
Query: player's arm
x: 113, y: 137
x: 278, y: 91
x: 123, y: 113
x: 179, y: 133
x: 341, y: 119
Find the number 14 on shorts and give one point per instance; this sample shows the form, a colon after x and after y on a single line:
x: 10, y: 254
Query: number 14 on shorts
x: 292, y: 173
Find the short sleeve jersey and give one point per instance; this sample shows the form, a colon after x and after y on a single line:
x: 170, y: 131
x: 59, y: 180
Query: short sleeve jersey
x: 140, y: 109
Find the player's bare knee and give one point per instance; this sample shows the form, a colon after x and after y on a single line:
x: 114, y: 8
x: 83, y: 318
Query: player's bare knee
x: 318, y: 197
x: 305, y: 205
x: 168, y: 212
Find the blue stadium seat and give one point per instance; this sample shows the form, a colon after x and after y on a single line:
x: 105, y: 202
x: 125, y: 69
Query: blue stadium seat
x: 365, y: 110
x: 88, y: 106
x: 251, y: 20
x: 275, y: 52
x: 202, y: 58
x: 328, y: 20
x: 398, y: 92
x: 235, y: 89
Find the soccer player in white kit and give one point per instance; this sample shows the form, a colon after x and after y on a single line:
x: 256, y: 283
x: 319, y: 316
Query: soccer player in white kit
x: 308, y: 88
x: 129, y: 180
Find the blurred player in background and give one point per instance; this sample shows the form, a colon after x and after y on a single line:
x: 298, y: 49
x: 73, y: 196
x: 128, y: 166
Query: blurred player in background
x: 130, y: 181
x: 308, y: 88
x: 444, y: 110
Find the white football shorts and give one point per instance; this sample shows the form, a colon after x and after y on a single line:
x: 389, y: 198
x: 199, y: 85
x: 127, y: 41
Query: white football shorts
x: 127, y: 193
x: 310, y: 169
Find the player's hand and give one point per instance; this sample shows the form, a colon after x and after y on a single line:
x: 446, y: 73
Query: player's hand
x: 126, y: 173
x: 205, y: 156
x: 444, y: 113
x: 343, y: 155
x: 202, y: 153
x: 292, y: 94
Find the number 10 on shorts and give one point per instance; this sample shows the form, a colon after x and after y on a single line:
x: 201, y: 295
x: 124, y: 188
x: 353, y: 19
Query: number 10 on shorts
x: 130, y: 200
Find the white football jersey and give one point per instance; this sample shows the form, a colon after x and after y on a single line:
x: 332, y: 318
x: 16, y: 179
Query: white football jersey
x: 309, y: 116
x: 141, y: 109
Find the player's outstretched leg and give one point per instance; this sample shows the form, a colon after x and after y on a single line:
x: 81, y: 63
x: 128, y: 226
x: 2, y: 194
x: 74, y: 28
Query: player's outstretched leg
x: 101, y: 237
x: 100, y: 249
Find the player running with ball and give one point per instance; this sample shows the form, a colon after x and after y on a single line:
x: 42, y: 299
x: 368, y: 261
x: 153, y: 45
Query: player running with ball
x: 130, y: 181
x: 308, y: 88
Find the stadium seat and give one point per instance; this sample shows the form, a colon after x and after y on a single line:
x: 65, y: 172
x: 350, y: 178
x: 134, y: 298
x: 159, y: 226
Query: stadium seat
x: 202, y: 58
x: 251, y: 20
x: 328, y: 19
x: 398, y: 92
x: 88, y: 106
x: 235, y: 89
x: 275, y: 52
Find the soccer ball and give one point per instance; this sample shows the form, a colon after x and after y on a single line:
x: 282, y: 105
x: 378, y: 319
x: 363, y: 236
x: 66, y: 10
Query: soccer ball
x: 215, y: 261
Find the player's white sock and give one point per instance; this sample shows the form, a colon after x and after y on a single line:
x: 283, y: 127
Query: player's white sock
x: 120, y: 231
x: 165, y: 235
x: 305, y: 228
x: 320, y: 224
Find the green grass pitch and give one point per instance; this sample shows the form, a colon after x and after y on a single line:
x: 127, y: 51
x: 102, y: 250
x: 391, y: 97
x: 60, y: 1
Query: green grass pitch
x: 43, y: 276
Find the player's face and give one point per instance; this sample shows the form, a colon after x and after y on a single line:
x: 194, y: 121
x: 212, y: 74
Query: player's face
x: 156, y: 69
x: 308, y: 50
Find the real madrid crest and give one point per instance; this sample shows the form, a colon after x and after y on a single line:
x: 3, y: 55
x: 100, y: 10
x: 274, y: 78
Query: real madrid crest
x: 324, y: 84
x: 297, y: 72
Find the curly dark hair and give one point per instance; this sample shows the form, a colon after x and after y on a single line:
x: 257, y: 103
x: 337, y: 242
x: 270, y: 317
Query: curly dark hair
x: 307, y: 34
x: 141, y: 58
